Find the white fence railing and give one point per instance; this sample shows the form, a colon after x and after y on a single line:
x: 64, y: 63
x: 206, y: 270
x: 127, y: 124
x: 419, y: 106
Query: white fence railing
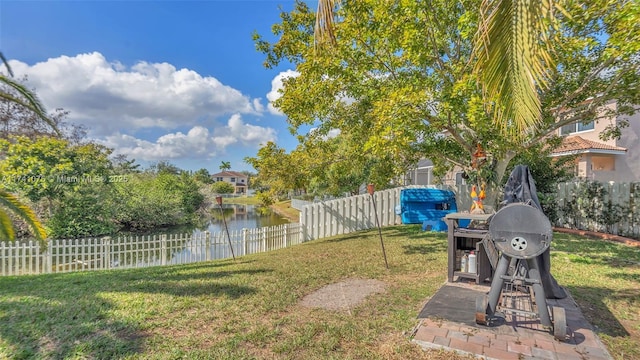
x: 20, y: 258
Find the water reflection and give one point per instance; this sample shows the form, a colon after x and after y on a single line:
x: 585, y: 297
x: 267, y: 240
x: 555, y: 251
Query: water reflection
x: 239, y: 217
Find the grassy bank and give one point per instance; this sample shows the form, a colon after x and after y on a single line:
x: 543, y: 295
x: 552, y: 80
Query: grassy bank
x: 248, y: 200
x: 250, y: 308
x: 284, y: 209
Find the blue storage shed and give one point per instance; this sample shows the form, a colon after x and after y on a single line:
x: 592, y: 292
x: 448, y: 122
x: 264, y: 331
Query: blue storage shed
x: 427, y: 207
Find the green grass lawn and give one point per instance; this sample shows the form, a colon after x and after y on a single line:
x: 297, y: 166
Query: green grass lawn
x: 250, y: 308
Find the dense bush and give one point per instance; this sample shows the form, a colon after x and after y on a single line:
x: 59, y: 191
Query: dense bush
x: 149, y: 200
x: 266, y: 198
x: 222, y: 187
x: 87, y: 211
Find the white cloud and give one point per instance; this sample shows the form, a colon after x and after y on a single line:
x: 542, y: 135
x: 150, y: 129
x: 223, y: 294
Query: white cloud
x: 243, y: 133
x: 197, y: 143
x: 108, y: 97
x: 194, y: 144
x: 276, y: 87
x: 257, y: 104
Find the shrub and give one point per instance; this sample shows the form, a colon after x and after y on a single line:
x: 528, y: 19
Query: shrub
x: 222, y: 187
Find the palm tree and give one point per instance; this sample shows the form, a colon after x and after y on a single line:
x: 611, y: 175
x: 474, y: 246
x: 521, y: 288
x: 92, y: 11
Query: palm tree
x: 8, y: 201
x: 512, y: 50
x: 11, y: 202
x: 226, y: 165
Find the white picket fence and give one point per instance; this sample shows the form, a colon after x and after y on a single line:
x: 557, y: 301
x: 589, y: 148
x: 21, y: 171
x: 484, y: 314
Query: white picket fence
x: 22, y: 258
x: 317, y: 220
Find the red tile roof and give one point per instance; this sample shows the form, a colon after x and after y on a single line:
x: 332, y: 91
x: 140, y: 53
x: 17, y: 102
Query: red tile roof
x: 229, y: 174
x: 576, y: 144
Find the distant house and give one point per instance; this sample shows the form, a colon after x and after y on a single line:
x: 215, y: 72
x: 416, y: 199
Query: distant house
x: 611, y: 160
x: 422, y: 174
x: 239, y: 181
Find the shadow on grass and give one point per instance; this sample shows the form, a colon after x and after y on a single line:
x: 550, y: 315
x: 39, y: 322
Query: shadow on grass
x: 359, y: 235
x: 409, y: 231
x: 596, y: 295
x: 591, y: 301
x: 627, y: 277
x: 70, y: 316
x: 425, y: 249
x: 436, y: 242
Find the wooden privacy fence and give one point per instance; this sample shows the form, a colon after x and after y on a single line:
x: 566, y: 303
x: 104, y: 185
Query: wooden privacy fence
x: 21, y: 258
x: 347, y: 215
x: 616, y: 210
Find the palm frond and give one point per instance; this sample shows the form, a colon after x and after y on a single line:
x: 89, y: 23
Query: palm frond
x: 514, y: 59
x: 11, y: 202
x: 6, y: 64
x: 325, y: 21
x: 29, y: 100
x: 6, y: 227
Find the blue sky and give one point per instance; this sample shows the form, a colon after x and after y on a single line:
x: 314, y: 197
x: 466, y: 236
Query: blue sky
x: 156, y: 80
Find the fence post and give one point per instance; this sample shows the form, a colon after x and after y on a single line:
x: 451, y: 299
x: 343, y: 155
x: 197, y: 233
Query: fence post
x: 264, y: 239
x: 286, y: 230
x: 48, y: 258
x: 163, y: 249
x: 106, y: 252
x: 207, y: 245
x: 245, y: 231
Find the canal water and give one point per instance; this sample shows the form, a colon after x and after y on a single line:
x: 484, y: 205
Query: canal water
x: 240, y: 217
x: 125, y: 250
x: 237, y: 217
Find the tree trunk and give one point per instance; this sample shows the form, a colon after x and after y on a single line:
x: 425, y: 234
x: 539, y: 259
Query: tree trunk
x: 493, y: 197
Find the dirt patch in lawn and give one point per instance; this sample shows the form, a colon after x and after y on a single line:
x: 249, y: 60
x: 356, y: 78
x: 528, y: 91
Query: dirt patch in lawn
x: 344, y: 295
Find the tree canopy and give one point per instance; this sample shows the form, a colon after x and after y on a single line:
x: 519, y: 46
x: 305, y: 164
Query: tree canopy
x: 401, y: 80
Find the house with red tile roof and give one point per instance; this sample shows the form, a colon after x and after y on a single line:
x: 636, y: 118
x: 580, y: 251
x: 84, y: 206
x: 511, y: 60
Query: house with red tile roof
x: 239, y: 180
x: 603, y: 160
x: 596, y: 159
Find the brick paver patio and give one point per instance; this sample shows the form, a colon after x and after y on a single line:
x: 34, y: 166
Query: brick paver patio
x: 516, y: 338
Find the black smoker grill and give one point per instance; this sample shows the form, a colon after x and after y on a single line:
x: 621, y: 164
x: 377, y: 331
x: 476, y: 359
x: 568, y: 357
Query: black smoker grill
x: 521, y: 233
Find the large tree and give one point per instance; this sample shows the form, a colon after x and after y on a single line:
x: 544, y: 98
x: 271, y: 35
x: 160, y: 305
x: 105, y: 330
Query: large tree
x: 514, y: 47
x: 406, y: 77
